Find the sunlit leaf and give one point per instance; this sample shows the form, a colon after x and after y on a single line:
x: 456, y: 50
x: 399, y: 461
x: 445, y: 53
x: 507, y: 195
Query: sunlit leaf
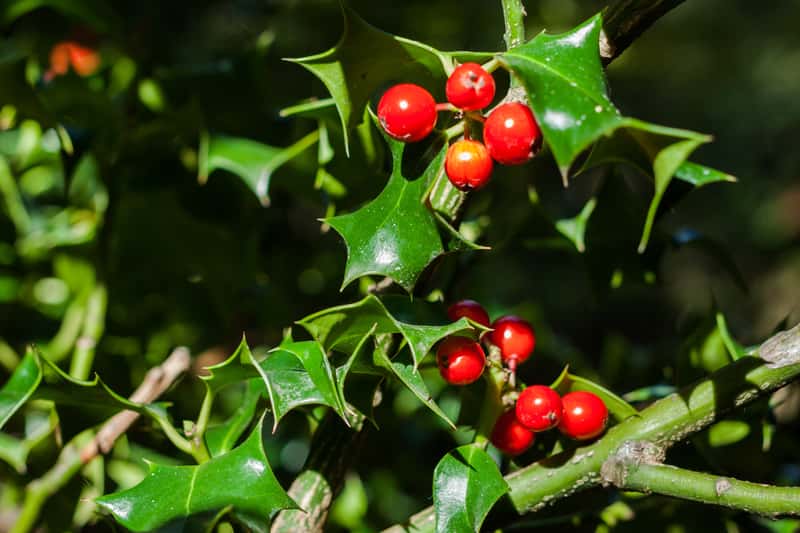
x: 466, y: 485
x: 342, y: 327
x: 221, y: 438
x: 241, y: 478
x: 395, y: 234
x: 353, y: 76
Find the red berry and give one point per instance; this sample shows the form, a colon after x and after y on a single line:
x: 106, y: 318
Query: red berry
x: 515, y: 338
x: 461, y: 360
x: 468, y: 165
x: 511, y: 134
x: 470, y: 309
x: 470, y: 87
x: 59, y: 59
x: 509, y: 436
x: 584, y: 416
x: 85, y: 60
x: 407, y: 112
x: 539, y: 408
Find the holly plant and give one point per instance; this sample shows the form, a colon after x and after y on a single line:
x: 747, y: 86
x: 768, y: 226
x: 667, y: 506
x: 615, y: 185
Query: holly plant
x: 484, y: 341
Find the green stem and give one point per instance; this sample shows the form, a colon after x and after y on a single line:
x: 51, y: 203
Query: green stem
x: 83, y: 358
x: 13, y: 200
x: 513, y: 16
x: 710, y: 489
x: 492, y: 405
x: 64, y: 340
x: 39, y: 490
x: 666, y: 422
x: 200, y: 451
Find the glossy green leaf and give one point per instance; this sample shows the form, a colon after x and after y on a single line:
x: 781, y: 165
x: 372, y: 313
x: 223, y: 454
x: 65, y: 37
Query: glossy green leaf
x: 62, y: 389
x: 252, y: 161
x: 699, y: 175
x: 222, y: 438
x: 342, y: 327
x: 300, y: 374
x: 619, y: 408
x: 293, y: 375
x: 402, y: 367
x: 353, y: 76
x: 20, y: 386
x: 241, y: 478
x: 466, y: 484
x: 395, y: 234
x: 564, y: 79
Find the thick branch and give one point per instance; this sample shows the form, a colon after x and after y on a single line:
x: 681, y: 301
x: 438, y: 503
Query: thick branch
x: 626, y: 20
x: 669, y: 480
x: 666, y: 422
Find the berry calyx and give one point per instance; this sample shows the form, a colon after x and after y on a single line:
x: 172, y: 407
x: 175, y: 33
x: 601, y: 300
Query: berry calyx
x: 511, y: 134
x: 509, y: 436
x: 538, y: 408
x: 469, y: 309
x: 515, y: 338
x: 468, y: 164
x: 407, y: 112
x: 584, y: 415
x: 470, y: 87
x: 461, y: 360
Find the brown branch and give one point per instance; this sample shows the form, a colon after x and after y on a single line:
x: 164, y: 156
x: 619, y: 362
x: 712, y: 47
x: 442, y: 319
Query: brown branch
x: 157, y: 380
x: 625, y: 20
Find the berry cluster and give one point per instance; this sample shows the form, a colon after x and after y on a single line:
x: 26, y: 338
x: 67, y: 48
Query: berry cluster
x: 580, y: 415
x: 83, y: 59
x: 511, y: 136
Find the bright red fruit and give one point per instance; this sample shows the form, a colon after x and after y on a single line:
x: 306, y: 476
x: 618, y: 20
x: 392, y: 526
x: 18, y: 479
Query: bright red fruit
x: 468, y: 165
x: 461, y: 360
x: 470, y: 309
x: 515, y: 338
x: 470, y: 87
x: 511, y: 134
x: 584, y: 416
x: 407, y: 112
x: 85, y: 60
x: 59, y: 59
x: 539, y: 408
x: 509, y: 436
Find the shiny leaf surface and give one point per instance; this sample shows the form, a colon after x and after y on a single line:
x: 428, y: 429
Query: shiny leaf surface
x: 395, y: 234
x: 20, y: 386
x: 466, y: 484
x: 241, y: 478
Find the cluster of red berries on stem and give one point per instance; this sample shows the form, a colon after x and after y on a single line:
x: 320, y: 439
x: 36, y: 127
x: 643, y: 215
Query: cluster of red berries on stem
x: 580, y: 415
x: 511, y: 136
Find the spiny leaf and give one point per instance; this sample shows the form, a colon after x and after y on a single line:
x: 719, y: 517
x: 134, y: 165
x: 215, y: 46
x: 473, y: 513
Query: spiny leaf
x: 395, y: 234
x: 657, y: 151
x: 466, y: 485
x: 20, y: 386
x: 566, y: 86
x: 343, y: 326
x: 292, y: 375
x: 252, y: 161
x: 241, y: 478
x: 352, y: 76
x: 402, y: 367
x: 564, y: 79
x: 574, y: 228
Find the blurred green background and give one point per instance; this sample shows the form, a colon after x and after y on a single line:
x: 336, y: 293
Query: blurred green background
x: 199, y: 265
